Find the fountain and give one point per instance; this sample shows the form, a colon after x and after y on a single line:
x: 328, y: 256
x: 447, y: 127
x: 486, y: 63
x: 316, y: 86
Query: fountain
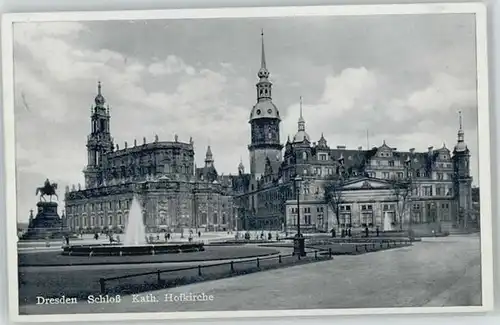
x: 387, y: 222
x: 135, y: 241
x: 135, y: 232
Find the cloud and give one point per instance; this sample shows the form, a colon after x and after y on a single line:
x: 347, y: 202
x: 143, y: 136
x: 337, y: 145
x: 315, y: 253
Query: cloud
x: 171, y: 65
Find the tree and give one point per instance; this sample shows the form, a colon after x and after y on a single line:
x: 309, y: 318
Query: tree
x: 402, y: 189
x: 334, y: 195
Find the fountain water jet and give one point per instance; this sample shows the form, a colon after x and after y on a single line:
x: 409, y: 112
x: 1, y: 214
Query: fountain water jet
x: 135, y: 242
x: 135, y: 232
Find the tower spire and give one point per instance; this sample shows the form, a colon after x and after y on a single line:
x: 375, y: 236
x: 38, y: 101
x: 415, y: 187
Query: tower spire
x: 302, y: 122
x: 460, y: 129
x: 263, y: 55
x: 263, y: 73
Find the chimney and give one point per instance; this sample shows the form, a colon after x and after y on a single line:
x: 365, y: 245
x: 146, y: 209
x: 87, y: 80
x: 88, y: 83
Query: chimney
x: 341, y: 147
x: 395, y: 149
x: 360, y: 148
x: 412, y: 150
x: 430, y: 148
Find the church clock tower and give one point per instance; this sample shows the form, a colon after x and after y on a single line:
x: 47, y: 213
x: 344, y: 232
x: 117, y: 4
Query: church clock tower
x: 264, y: 122
x: 99, y: 141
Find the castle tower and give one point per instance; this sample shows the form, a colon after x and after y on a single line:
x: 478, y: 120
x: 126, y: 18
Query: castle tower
x: 301, y: 135
x: 209, y: 158
x: 462, y: 179
x: 264, y: 123
x: 99, y: 141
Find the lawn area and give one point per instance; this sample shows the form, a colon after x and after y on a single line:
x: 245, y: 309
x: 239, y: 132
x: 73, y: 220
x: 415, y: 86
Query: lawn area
x: 348, y: 247
x: 210, y: 253
x: 81, y: 282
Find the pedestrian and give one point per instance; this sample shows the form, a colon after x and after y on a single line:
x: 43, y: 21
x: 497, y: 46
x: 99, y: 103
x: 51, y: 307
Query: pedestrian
x: 165, y: 236
x: 199, y: 234
x: 333, y: 232
x: 269, y: 236
x: 378, y: 231
x: 118, y: 239
x: 67, y: 239
x: 367, y: 232
x: 96, y: 236
x: 168, y: 236
x: 349, y: 233
x: 157, y: 237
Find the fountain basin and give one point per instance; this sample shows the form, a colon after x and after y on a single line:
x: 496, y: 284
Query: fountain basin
x: 123, y: 250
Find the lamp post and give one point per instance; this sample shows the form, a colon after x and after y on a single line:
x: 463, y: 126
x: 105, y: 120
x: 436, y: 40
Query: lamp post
x: 299, y: 241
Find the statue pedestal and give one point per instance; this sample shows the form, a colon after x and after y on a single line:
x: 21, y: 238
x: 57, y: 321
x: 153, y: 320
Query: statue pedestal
x: 46, y: 224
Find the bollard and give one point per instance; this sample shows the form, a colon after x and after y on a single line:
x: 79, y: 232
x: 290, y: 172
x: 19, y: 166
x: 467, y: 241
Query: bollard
x: 158, y: 276
x: 232, y: 267
x: 258, y: 262
x: 279, y: 258
x: 199, y: 270
x: 102, y: 282
x: 316, y: 255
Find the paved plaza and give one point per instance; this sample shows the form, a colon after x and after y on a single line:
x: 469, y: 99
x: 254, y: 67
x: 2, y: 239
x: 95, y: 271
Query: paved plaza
x: 435, y: 272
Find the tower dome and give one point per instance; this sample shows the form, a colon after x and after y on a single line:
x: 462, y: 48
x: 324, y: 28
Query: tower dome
x: 99, y: 99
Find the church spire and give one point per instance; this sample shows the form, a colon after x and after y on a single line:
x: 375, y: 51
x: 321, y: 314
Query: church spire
x: 99, y: 99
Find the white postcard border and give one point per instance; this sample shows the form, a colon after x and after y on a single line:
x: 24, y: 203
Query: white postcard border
x: 477, y: 8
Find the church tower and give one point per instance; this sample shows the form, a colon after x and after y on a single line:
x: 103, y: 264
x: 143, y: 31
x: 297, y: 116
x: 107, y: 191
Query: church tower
x: 264, y: 123
x: 99, y: 141
x: 462, y: 179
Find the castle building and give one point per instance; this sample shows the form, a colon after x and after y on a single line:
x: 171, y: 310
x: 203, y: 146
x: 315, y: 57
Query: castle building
x: 162, y: 174
x: 346, y: 188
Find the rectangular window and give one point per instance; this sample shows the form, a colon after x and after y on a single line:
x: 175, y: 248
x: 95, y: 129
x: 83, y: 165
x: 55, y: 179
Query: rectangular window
x: 400, y: 175
x: 440, y: 176
x: 385, y: 175
x: 391, y: 163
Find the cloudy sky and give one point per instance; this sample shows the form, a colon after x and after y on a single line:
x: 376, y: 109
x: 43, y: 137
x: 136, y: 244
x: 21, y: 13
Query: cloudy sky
x: 402, y: 78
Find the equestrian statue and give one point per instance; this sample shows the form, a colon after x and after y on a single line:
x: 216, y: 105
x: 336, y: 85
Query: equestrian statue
x: 47, y: 189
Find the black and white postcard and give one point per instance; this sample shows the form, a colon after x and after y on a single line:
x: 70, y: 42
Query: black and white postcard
x: 247, y: 162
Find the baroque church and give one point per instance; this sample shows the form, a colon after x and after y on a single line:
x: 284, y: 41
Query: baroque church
x: 174, y: 193
x: 333, y: 187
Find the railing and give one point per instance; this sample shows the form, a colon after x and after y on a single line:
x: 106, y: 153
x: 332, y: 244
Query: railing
x: 230, y: 271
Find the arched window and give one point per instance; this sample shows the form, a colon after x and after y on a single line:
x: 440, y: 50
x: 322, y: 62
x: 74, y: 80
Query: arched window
x: 304, y: 155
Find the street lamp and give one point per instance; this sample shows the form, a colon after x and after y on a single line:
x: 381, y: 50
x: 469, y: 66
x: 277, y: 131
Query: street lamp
x: 299, y: 241
x: 297, y: 181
